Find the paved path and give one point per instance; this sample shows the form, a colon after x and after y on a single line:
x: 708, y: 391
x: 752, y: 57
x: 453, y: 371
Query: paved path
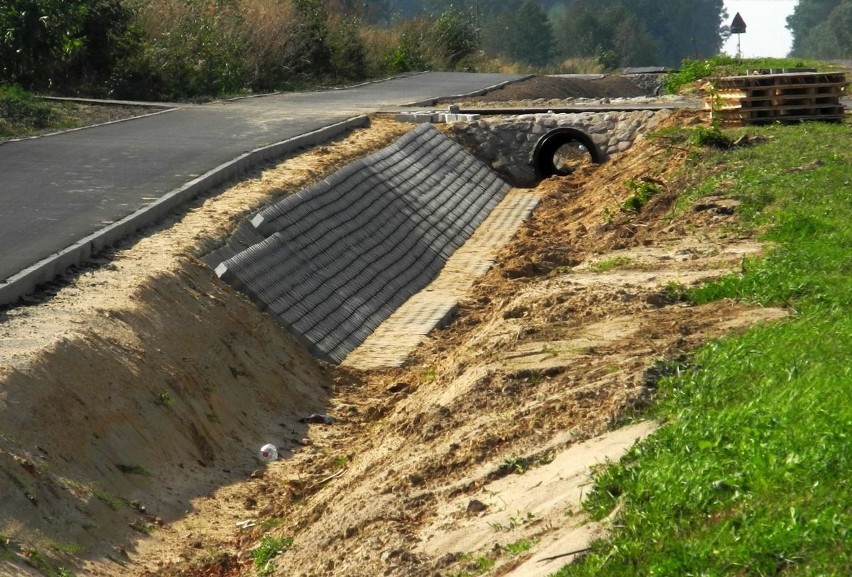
x: 58, y: 189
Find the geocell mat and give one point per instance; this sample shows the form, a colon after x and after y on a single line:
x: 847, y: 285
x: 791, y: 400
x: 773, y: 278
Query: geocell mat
x: 333, y: 261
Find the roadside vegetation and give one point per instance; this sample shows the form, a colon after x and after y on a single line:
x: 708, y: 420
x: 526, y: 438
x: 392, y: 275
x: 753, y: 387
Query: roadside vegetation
x: 199, y: 49
x: 750, y: 472
x: 723, y: 65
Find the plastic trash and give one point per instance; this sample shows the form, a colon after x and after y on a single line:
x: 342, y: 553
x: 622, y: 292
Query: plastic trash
x: 268, y: 453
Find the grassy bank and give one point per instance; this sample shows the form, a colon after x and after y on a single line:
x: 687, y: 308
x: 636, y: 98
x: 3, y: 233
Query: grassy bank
x: 22, y: 114
x: 724, y: 65
x: 750, y: 475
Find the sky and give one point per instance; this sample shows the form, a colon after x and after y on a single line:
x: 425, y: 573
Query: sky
x: 765, y: 34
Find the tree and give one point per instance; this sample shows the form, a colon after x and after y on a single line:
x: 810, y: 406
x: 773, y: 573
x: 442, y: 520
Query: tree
x: 348, y: 52
x: 642, y: 31
x: 452, y: 39
x: 35, y: 35
x: 521, y: 32
x: 613, y: 35
x: 822, y: 28
x: 682, y: 29
x: 44, y: 43
x: 314, y: 18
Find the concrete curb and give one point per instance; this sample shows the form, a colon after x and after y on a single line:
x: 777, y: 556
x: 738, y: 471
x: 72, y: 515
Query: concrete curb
x: 112, y: 102
x: 26, y: 281
x: 88, y: 126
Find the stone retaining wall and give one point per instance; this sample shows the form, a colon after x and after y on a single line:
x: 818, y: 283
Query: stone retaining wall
x: 506, y: 142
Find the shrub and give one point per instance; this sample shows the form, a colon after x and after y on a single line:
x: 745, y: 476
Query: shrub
x: 711, y: 136
x: 452, y: 39
x: 274, y: 38
x: 19, y: 106
x: 192, y: 48
x: 642, y: 192
x: 409, y: 54
x: 348, y: 53
x: 45, y: 43
x: 269, y: 548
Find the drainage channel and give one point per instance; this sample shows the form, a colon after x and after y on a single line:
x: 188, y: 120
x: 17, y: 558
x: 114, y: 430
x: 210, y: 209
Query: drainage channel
x: 333, y: 262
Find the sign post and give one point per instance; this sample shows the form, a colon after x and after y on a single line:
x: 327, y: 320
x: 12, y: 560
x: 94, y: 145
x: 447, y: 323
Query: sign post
x: 738, y: 27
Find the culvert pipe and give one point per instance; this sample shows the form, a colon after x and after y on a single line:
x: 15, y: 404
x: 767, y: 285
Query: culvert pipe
x: 544, y: 153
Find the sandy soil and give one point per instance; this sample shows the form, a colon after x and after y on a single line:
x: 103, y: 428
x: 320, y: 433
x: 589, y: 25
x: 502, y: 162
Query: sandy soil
x: 134, y: 394
x: 556, y: 87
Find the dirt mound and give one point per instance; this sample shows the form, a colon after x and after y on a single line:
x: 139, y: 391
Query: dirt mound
x: 141, y: 383
x: 551, y: 347
x: 561, y: 87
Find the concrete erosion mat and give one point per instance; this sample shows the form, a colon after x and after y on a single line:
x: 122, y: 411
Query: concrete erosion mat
x: 333, y: 261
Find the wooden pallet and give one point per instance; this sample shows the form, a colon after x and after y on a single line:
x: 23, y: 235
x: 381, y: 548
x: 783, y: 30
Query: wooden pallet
x: 768, y: 98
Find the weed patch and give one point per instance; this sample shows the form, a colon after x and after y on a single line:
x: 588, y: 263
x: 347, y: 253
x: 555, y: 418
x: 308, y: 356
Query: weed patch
x: 21, y: 111
x: 642, y: 192
x: 615, y: 262
x: 723, y: 65
x: 269, y: 548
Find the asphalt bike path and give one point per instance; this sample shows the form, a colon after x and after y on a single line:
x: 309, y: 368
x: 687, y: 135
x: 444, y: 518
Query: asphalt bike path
x: 58, y: 189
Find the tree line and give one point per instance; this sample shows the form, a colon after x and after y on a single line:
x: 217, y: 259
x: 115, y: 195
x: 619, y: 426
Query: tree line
x: 179, y: 49
x: 822, y: 29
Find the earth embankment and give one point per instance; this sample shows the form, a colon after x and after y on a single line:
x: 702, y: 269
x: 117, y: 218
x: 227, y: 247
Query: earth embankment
x: 142, y: 382
x: 135, y: 394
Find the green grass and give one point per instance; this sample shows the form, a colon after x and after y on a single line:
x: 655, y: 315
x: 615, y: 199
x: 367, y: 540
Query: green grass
x: 165, y: 399
x: 133, y: 469
x: 475, y: 566
x: 616, y: 262
x: 269, y: 548
x: 724, y: 65
x: 520, y: 546
x: 643, y: 191
x: 68, y: 548
x: 24, y: 115
x: 21, y: 111
x: 271, y: 523
x: 44, y: 565
x: 750, y: 473
x: 108, y: 499
x: 483, y: 564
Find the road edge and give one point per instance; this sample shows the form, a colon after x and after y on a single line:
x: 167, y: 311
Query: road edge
x: 26, y: 281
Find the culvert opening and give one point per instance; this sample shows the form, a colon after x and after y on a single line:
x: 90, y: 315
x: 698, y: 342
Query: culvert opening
x: 562, y: 151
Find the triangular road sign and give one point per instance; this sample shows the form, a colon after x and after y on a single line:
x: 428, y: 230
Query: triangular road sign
x: 738, y: 26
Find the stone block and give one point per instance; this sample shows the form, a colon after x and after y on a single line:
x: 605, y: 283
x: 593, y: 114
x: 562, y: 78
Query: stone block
x: 418, y: 117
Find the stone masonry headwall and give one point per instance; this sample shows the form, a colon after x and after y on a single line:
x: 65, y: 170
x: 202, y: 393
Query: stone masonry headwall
x: 506, y: 143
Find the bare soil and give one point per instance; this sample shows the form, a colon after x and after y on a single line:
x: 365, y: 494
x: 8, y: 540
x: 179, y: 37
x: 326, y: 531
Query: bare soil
x: 561, y: 87
x: 134, y: 395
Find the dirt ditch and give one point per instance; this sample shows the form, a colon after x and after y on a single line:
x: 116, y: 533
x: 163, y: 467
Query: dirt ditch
x: 134, y: 395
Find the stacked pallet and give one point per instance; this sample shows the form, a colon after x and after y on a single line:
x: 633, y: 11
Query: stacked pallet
x: 788, y: 97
